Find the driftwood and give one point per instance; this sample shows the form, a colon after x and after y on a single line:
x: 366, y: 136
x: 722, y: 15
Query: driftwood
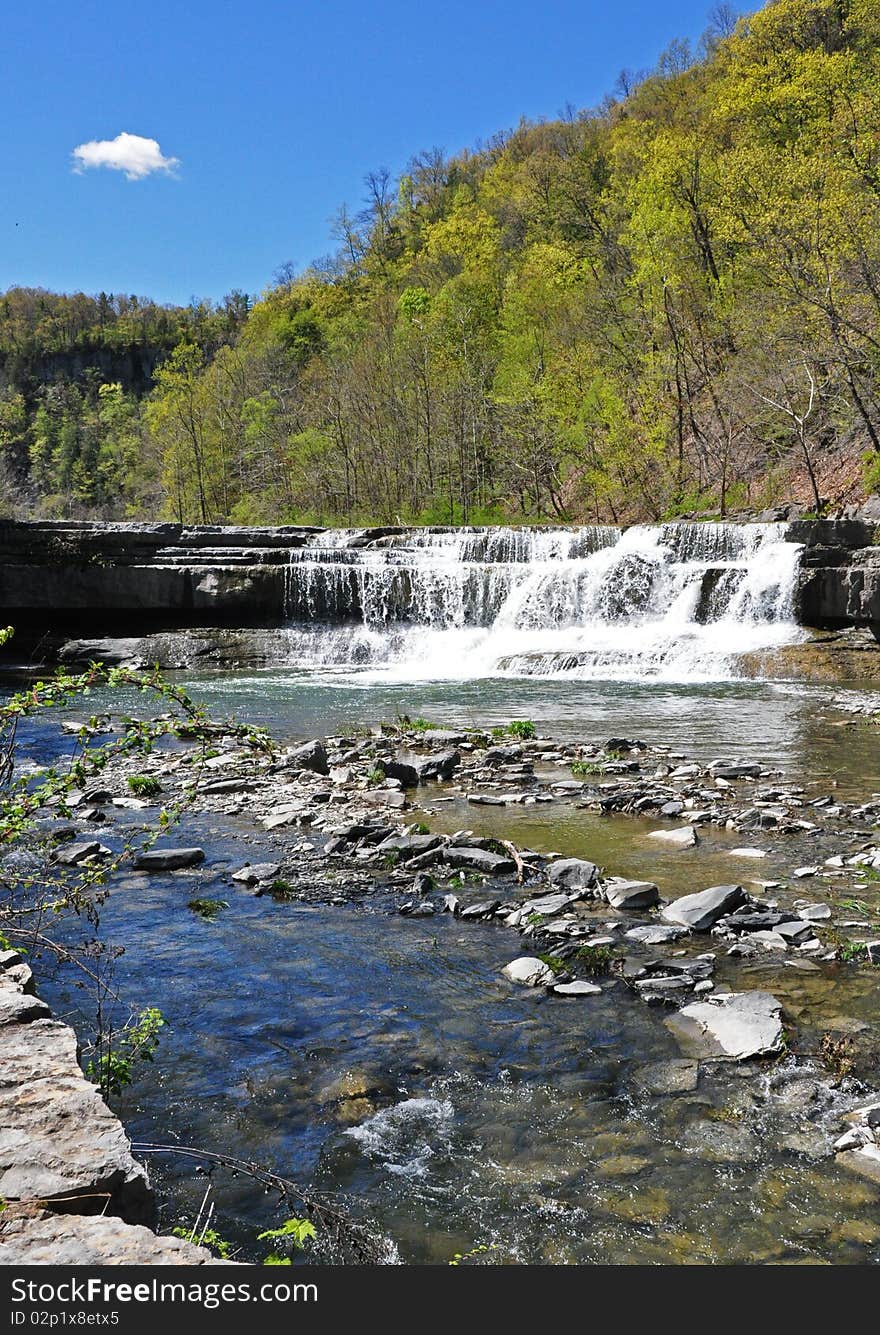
x: 515, y: 854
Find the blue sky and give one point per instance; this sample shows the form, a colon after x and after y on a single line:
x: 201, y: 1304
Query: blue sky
x: 275, y: 111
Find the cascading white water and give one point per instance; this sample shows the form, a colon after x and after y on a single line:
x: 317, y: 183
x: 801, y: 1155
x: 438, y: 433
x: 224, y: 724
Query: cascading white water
x: 678, y: 602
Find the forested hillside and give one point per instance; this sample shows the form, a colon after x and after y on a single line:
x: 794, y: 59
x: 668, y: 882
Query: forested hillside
x: 667, y: 305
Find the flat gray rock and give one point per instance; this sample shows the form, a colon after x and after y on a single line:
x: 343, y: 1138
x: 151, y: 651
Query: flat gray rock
x: 478, y: 859
x: 736, y: 1025
x: 864, y: 1161
x: 17, y: 1008
x: 168, y: 859
x: 256, y: 872
x: 794, y: 930
x: 383, y: 797
x: 409, y: 845
x: 701, y: 911
x: 485, y: 909
x: 71, y: 855
x: 548, y: 905
x: 578, y: 988
x: 655, y: 935
x: 632, y: 894
x: 685, y: 837
x: 40, y: 1238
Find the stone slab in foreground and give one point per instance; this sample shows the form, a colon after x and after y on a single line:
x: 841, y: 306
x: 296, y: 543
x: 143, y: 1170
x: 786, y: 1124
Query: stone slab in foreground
x: 59, y: 1141
x: 30, y: 1237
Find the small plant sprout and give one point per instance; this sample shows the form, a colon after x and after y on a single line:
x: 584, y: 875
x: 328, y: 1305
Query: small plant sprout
x: 144, y: 785
x: 293, y: 1233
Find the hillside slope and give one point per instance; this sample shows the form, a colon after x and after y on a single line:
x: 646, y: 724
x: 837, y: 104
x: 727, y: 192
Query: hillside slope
x: 667, y: 305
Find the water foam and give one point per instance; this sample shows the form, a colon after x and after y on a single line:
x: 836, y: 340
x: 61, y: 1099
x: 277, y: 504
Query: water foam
x: 675, y: 602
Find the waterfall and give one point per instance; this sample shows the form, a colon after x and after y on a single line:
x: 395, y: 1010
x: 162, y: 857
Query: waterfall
x: 675, y: 602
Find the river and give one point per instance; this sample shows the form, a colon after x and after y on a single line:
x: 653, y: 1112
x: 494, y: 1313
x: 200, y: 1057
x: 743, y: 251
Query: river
x: 491, y: 1116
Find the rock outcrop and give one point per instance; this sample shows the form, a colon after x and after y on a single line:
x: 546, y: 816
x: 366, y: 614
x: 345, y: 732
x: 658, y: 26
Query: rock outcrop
x: 839, y: 584
x: 74, y: 1194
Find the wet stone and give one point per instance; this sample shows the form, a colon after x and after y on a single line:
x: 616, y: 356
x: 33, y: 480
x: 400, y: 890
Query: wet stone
x: 734, y: 1025
x: 168, y: 859
x: 685, y: 837
x: 310, y: 756
x: 864, y: 1161
x: 577, y: 988
x: 73, y: 854
x: 485, y: 909
x: 655, y: 935
x: 678, y: 1076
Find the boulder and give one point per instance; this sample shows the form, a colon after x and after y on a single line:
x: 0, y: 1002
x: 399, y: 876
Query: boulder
x: 406, y: 775
x: 478, y: 859
x: 311, y: 756
x: 485, y: 909
x: 701, y: 911
x: 529, y: 971
x: 18, y: 1008
x: 409, y: 845
x: 442, y: 766
x: 573, y: 874
x: 734, y: 1025
x: 168, y: 859
x: 631, y: 894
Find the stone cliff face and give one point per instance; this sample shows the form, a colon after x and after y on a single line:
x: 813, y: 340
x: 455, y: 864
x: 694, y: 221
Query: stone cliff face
x: 94, y: 578
x: 839, y: 584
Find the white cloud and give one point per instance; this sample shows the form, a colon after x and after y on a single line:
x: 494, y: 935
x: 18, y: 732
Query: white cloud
x: 129, y: 153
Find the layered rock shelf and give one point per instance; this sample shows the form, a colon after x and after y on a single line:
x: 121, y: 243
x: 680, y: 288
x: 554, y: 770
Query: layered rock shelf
x: 128, y: 580
x: 74, y: 1194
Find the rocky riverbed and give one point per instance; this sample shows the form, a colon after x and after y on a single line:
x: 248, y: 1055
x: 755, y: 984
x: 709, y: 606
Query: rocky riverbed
x: 369, y: 821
